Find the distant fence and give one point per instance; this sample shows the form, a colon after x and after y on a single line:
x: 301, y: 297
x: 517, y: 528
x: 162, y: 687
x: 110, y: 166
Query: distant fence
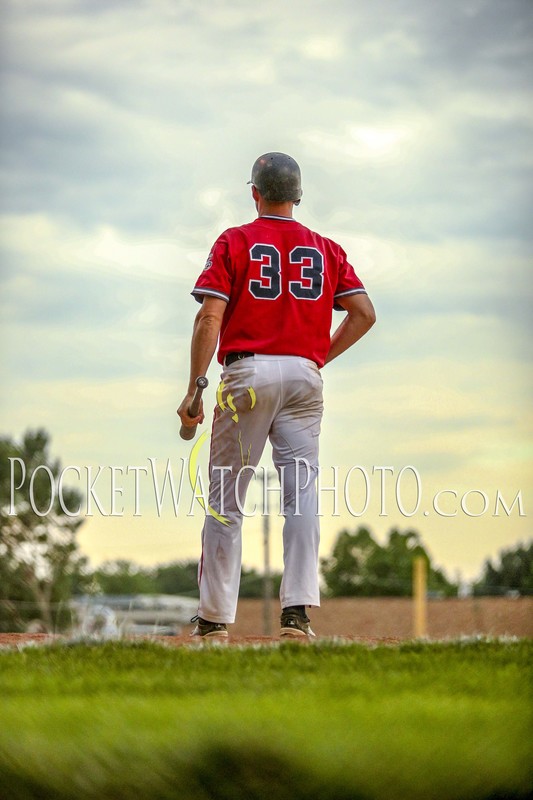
x: 383, y: 617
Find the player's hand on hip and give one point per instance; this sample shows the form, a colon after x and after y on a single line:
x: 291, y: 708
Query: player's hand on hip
x: 183, y: 412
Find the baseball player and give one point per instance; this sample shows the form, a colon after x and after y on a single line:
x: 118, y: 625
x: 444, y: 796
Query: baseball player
x: 267, y: 293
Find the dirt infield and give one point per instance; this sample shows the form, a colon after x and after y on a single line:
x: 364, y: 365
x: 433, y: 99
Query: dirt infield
x: 18, y: 640
x: 368, y: 620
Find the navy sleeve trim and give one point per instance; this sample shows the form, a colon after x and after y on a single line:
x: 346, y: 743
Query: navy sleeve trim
x: 337, y: 307
x: 350, y: 291
x: 198, y: 294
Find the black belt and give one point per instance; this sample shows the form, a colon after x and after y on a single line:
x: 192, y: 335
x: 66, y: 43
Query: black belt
x: 232, y: 357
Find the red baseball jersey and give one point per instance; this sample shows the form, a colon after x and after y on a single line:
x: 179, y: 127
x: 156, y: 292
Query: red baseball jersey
x: 281, y: 282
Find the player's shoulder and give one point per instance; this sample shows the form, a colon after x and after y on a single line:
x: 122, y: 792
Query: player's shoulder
x: 235, y: 232
x: 318, y: 237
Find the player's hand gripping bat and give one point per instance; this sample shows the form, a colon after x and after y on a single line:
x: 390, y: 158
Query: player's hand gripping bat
x: 190, y: 432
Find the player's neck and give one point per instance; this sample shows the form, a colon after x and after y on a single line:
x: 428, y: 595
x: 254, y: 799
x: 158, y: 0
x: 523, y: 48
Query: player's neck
x: 274, y: 209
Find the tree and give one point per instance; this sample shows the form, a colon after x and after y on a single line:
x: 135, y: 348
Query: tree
x: 253, y: 583
x: 124, y: 577
x: 39, y: 558
x: 360, y: 567
x: 178, y: 577
x: 344, y: 571
x: 513, y: 574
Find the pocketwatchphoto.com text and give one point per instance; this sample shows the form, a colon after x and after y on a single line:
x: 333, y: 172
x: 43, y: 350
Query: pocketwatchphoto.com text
x: 179, y: 488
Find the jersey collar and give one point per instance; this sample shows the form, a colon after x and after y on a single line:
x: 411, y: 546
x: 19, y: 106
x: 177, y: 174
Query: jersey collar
x: 274, y: 216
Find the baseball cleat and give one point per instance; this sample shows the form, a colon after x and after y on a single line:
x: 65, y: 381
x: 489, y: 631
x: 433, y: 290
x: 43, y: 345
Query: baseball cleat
x: 209, y: 630
x: 295, y: 624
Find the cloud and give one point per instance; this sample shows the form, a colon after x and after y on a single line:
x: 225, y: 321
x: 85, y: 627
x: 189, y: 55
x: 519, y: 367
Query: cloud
x: 423, y: 109
x: 443, y: 414
x: 92, y: 304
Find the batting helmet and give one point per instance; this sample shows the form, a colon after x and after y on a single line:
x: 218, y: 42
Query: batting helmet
x: 277, y: 178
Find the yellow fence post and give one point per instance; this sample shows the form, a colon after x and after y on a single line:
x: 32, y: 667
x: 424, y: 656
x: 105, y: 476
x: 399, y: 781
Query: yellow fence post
x: 420, y: 621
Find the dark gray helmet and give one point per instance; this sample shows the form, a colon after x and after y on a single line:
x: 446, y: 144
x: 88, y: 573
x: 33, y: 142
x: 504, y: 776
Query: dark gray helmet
x: 277, y: 178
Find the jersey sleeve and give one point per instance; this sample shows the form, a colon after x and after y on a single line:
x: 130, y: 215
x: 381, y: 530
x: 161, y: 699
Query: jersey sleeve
x: 347, y: 282
x: 215, y: 279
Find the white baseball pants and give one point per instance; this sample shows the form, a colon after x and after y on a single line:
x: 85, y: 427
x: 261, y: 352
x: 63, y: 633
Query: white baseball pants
x: 263, y: 397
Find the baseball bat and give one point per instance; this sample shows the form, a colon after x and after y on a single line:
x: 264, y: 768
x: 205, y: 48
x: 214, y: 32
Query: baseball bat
x: 187, y: 432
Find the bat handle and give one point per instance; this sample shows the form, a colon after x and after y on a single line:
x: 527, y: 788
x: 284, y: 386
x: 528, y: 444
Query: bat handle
x: 187, y: 432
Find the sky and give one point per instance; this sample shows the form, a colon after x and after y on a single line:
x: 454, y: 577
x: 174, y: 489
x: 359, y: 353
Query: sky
x: 128, y: 134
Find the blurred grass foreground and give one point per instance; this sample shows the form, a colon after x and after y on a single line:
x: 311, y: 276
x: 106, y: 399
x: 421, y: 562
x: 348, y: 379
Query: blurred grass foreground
x: 329, y: 721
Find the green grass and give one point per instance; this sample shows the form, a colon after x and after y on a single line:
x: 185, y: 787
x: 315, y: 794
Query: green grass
x: 335, y: 722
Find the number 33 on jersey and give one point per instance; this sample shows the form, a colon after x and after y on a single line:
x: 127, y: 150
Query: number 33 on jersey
x: 281, y: 282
